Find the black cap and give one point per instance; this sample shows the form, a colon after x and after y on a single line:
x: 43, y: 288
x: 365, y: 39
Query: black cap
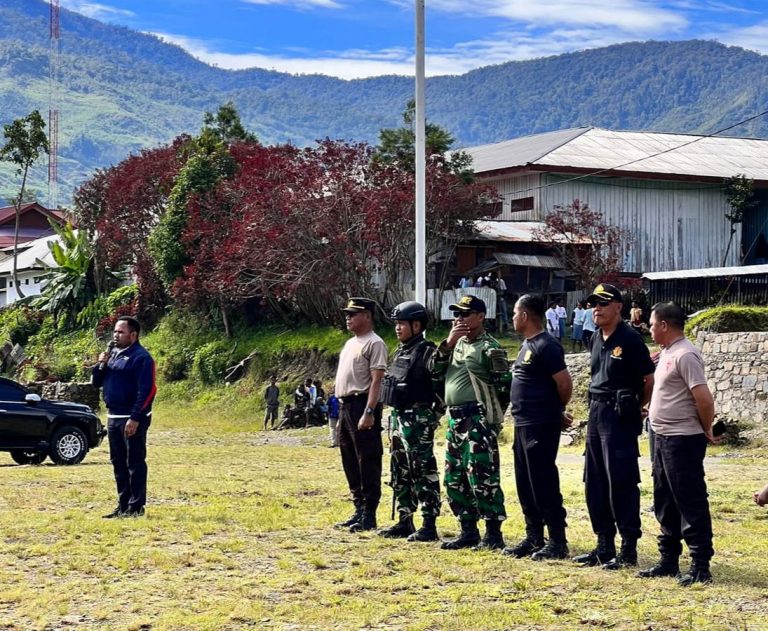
x: 469, y: 303
x: 409, y: 311
x: 356, y: 305
x: 605, y: 293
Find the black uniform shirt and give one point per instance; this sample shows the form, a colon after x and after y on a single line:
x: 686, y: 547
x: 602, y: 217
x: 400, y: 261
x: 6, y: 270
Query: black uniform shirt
x: 621, y: 361
x: 533, y: 393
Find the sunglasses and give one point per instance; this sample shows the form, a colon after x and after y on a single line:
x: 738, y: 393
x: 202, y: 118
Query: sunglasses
x: 602, y: 303
x: 463, y: 314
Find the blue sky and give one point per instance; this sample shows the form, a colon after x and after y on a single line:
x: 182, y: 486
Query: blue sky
x: 360, y: 38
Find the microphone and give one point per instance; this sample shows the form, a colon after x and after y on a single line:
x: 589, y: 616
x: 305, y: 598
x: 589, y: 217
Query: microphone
x: 110, y: 348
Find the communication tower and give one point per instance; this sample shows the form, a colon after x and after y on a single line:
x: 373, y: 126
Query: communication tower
x: 54, y: 96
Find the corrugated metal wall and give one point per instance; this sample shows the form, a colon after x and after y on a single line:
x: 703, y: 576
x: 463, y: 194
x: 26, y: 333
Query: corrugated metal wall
x: 676, y: 225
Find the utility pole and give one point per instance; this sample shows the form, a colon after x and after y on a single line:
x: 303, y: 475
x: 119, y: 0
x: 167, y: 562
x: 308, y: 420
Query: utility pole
x: 420, y: 263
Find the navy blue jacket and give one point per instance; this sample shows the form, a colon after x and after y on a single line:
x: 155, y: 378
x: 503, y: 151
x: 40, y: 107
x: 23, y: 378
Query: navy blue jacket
x: 128, y: 382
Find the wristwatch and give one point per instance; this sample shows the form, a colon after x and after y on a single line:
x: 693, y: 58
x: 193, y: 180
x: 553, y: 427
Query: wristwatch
x: 369, y: 410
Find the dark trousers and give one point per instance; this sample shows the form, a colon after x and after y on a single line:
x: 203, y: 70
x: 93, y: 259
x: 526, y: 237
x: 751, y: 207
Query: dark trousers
x: 361, y: 454
x: 129, y: 462
x: 612, y: 473
x: 537, y: 478
x: 680, y: 496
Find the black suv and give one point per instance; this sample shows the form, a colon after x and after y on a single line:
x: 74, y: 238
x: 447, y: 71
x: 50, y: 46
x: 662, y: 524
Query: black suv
x: 32, y: 428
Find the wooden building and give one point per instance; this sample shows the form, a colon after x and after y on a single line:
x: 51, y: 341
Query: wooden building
x: 667, y: 189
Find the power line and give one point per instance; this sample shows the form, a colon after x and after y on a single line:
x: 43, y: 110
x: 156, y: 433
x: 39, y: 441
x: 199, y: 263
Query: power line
x: 631, y: 162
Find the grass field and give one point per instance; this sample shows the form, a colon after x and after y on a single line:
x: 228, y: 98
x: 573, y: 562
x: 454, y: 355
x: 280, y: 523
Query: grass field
x: 238, y: 535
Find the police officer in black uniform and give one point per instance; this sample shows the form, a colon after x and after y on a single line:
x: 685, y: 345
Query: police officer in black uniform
x: 622, y: 380
x: 407, y: 388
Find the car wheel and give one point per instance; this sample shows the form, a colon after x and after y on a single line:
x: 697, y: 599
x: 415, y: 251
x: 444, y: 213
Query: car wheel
x: 28, y: 456
x: 69, y: 445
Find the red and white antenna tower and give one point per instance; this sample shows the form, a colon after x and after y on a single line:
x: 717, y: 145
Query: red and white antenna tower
x: 54, y: 95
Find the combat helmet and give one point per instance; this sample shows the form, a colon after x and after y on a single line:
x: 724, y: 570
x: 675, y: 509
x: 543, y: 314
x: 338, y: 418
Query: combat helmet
x: 410, y: 311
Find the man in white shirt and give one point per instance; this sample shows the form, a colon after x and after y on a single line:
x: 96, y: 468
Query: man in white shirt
x: 553, y: 322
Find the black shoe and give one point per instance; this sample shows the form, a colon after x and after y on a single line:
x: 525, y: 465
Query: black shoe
x: 493, y: 539
x: 118, y: 512
x: 138, y: 512
x: 400, y: 530
x: 598, y: 556
x: 699, y: 573
x: 356, y: 517
x: 427, y: 532
x: 468, y: 538
x: 620, y: 561
x: 553, y: 550
x: 661, y: 569
x: 368, y: 522
x: 524, y: 548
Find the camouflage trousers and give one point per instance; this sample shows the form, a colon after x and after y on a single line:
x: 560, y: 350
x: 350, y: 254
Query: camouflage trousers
x: 414, y: 477
x: 472, y: 469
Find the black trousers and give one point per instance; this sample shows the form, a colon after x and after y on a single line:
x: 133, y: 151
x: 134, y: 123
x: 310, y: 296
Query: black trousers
x: 680, y: 496
x: 361, y: 454
x: 129, y: 463
x: 537, y: 478
x: 612, y: 473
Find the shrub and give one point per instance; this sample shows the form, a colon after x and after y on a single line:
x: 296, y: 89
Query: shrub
x: 727, y: 319
x: 18, y: 323
x: 211, y: 360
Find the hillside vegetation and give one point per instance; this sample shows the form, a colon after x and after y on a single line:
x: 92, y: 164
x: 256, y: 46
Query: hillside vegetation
x: 123, y: 90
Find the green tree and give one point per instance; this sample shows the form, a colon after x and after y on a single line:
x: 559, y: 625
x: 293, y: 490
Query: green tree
x: 71, y: 284
x: 397, y: 146
x: 739, y: 191
x: 25, y: 141
x: 209, y: 161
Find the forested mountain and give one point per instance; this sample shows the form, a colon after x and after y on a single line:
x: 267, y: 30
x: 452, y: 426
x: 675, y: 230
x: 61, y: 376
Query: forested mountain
x: 122, y: 90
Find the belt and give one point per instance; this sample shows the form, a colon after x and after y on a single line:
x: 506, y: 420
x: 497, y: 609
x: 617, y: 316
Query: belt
x: 348, y: 398
x: 466, y: 409
x: 603, y: 398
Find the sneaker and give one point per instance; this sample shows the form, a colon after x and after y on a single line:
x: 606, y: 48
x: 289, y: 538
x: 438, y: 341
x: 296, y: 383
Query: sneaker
x: 524, y: 548
x: 553, y: 550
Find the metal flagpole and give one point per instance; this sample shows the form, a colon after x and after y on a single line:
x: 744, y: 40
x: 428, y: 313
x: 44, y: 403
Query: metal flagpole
x: 420, y: 264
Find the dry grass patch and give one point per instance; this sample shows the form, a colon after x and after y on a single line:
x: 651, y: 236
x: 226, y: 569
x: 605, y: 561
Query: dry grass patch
x: 238, y: 535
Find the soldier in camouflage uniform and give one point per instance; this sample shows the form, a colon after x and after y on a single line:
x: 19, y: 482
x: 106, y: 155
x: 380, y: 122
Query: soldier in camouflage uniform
x: 476, y: 373
x: 407, y: 388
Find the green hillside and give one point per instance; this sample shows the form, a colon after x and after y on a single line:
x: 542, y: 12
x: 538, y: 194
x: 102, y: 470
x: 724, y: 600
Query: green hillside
x: 123, y: 90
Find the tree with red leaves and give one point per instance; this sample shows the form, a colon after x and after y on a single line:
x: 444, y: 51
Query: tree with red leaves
x: 591, y: 249
x: 119, y: 206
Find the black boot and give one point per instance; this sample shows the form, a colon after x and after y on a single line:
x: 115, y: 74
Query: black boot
x: 604, y: 552
x: 667, y: 566
x: 493, y: 539
x: 556, y: 548
x: 400, y: 530
x: 356, y: 517
x: 699, y: 573
x: 627, y: 556
x: 533, y: 541
x: 367, y: 522
x: 428, y: 530
x: 469, y: 536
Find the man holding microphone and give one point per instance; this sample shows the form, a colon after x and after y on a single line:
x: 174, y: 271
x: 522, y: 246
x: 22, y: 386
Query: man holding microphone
x: 126, y: 375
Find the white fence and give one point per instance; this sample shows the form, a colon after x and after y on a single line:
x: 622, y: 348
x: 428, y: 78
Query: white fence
x: 448, y: 297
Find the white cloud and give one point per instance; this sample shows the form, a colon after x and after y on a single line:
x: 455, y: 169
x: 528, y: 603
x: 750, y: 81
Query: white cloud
x: 301, y: 4
x: 498, y: 48
x: 641, y: 17
x: 95, y: 10
x: 753, y: 37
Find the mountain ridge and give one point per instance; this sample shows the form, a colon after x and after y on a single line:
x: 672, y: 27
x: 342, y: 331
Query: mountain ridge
x: 123, y: 91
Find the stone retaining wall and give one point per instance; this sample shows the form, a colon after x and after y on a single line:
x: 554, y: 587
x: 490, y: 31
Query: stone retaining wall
x: 737, y: 373
x: 83, y: 393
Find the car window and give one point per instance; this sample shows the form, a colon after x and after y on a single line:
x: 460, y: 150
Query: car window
x: 9, y: 392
